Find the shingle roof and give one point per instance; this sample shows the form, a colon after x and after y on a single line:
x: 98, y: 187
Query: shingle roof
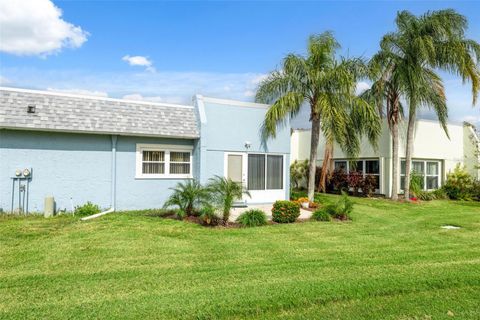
x: 71, y: 113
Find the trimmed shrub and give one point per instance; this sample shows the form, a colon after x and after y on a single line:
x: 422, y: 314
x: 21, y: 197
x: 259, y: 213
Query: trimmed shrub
x: 252, y: 218
x: 87, y: 209
x: 285, y: 211
x: 321, y: 215
x: 209, y: 217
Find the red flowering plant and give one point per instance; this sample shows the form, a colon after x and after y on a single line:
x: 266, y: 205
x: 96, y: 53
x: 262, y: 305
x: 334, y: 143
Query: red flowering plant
x: 355, y: 181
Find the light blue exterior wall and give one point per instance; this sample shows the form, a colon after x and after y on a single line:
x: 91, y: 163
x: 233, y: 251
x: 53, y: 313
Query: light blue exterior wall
x: 78, y: 167
x: 226, y: 127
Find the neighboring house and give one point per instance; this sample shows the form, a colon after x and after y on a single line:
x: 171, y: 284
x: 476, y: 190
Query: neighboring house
x: 127, y: 154
x: 434, y: 154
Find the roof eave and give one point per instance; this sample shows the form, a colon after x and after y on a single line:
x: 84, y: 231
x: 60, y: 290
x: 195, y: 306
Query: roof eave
x: 130, y: 134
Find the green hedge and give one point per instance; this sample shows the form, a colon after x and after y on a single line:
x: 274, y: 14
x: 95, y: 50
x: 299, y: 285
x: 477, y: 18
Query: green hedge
x: 285, y: 211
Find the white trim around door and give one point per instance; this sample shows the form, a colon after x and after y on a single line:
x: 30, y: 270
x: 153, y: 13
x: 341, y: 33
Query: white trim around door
x: 269, y: 187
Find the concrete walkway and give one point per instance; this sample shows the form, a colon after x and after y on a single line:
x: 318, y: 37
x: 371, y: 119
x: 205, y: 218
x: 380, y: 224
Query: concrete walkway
x: 267, y: 208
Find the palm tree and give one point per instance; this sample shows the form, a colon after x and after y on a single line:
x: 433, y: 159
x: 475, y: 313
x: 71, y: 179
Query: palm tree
x: 188, y: 196
x: 386, y: 93
x: 328, y: 86
x: 225, y: 191
x: 435, y: 40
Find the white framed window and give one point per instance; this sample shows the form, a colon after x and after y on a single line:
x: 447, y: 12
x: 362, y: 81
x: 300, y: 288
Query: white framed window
x: 265, y: 172
x: 366, y: 167
x: 429, y: 170
x: 156, y: 161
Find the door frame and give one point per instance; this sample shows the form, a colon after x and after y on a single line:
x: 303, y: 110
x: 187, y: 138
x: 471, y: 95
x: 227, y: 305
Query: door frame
x: 258, y: 196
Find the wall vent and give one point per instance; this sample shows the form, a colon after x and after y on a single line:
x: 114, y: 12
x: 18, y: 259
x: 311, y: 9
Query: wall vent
x: 31, y: 109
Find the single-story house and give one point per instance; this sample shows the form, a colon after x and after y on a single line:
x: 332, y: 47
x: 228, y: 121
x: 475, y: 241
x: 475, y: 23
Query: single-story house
x: 127, y: 154
x: 434, y: 154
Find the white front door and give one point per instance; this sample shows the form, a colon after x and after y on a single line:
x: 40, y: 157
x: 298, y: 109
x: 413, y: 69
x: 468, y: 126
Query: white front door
x: 262, y: 174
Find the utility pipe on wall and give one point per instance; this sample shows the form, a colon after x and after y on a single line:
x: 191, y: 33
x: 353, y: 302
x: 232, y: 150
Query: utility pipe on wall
x: 113, y: 189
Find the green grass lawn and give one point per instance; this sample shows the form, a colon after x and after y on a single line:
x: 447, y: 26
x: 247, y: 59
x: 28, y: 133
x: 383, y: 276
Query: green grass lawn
x: 391, y: 262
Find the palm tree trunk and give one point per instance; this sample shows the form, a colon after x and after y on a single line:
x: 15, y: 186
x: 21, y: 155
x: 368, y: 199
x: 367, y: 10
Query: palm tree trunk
x: 313, y: 155
x: 409, y: 149
x: 395, y: 160
x: 327, y: 162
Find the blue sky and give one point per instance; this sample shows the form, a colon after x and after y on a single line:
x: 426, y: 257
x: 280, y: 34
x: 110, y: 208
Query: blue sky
x: 214, y: 48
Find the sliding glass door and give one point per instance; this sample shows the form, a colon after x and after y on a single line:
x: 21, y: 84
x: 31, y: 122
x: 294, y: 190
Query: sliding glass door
x: 263, y: 174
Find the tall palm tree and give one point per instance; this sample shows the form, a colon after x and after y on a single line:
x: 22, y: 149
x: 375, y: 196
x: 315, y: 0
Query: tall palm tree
x: 328, y: 86
x: 419, y: 46
x: 386, y: 94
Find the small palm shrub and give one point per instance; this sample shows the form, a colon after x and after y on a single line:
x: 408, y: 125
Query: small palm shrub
x: 87, y: 209
x: 209, y: 217
x: 187, y: 196
x: 225, y: 191
x: 285, y: 211
x: 180, y: 214
x: 415, y: 184
x: 321, y: 215
x: 459, y: 184
x: 341, y: 209
x: 298, y: 173
x: 252, y: 218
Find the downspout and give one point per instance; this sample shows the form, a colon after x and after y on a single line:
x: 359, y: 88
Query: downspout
x: 113, y: 189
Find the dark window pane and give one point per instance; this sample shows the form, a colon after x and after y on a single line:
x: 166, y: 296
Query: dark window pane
x: 356, y: 166
x: 153, y: 156
x: 372, y: 166
x: 274, y: 172
x: 402, y: 183
x: 153, y: 168
x: 179, y: 157
x: 432, y: 168
x: 179, y: 168
x: 417, y: 167
x: 432, y: 182
x: 256, y: 172
x: 341, y: 165
x: 402, y: 167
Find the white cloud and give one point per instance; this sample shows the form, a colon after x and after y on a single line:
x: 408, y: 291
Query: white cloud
x: 139, y: 61
x: 81, y: 92
x: 361, y: 87
x: 249, y: 93
x: 4, y: 81
x: 36, y: 27
x: 259, y: 78
x: 139, y: 97
x: 472, y: 119
x: 172, y: 87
